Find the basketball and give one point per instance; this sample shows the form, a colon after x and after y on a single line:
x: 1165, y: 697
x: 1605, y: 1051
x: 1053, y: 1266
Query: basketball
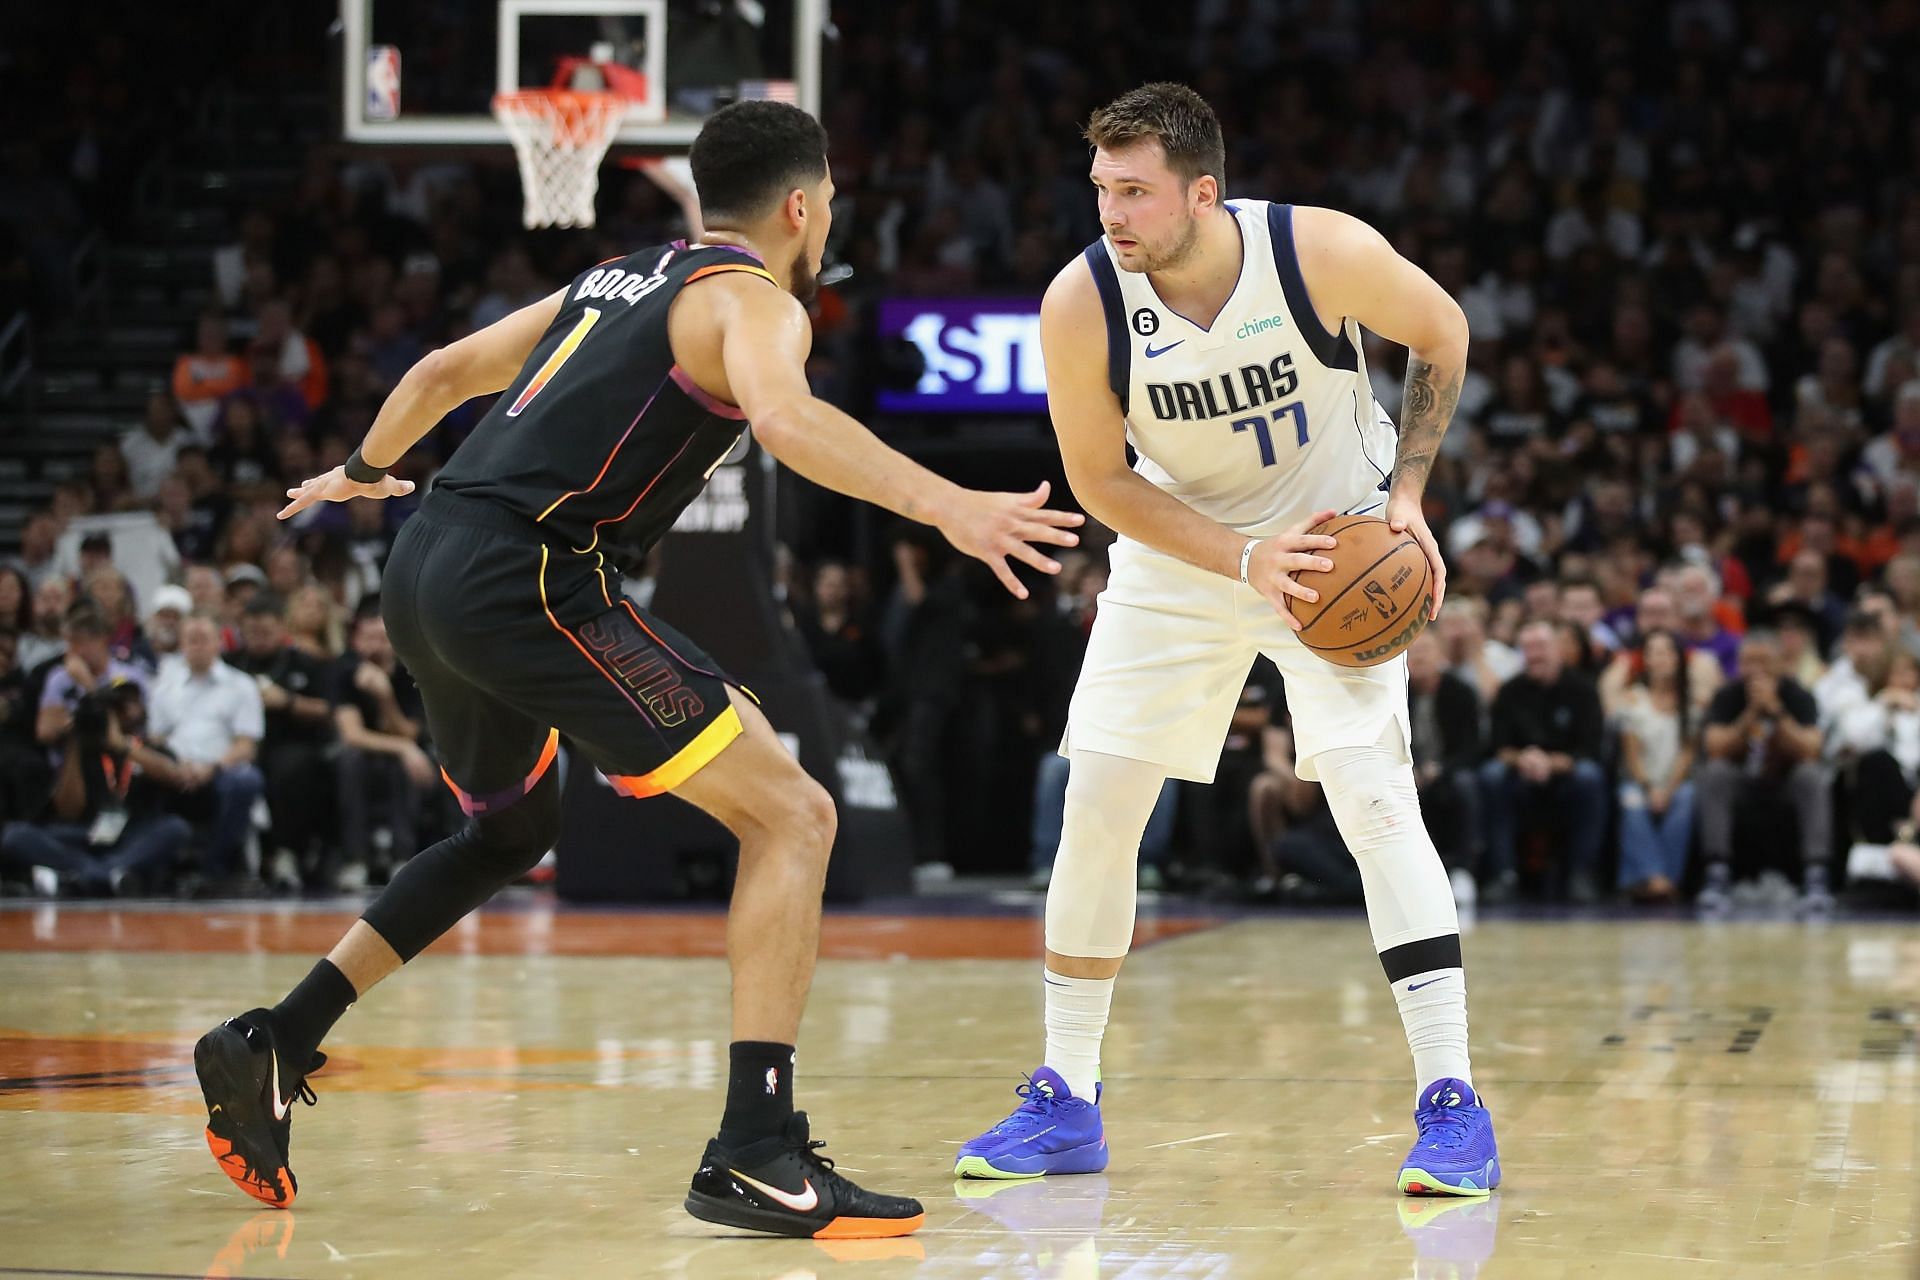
x: 1374, y: 600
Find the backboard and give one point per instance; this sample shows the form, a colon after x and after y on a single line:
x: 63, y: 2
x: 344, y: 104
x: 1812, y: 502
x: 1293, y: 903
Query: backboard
x: 425, y: 71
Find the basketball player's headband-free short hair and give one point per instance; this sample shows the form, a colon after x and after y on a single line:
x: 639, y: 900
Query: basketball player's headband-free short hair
x: 1188, y: 131
x: 751, y: 154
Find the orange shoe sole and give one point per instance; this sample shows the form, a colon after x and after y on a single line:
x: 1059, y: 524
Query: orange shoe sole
x: 278, y: 1195
x: 870, y: 1228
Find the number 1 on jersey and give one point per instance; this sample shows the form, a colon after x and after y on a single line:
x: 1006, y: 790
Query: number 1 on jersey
x: 1264, y: 437
x: 561, y: 354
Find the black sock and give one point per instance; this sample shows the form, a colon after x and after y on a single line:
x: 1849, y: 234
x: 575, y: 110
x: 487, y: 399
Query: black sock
x: 302, y: 1020
x: 759, y: 1091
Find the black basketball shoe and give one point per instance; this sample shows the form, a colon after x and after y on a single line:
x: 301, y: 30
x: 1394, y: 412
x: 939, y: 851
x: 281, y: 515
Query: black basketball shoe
x: 250, y: 1096
x: 782, y: 1185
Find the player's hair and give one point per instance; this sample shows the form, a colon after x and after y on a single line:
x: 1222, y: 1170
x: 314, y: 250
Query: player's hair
x: 751, y: 154
x: 1188, y: 130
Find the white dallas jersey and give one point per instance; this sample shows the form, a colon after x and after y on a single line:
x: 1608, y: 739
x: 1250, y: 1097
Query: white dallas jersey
x: 1261, y: 419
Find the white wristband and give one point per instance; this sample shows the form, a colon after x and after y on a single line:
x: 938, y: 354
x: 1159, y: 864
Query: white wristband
x: 1246, y: 559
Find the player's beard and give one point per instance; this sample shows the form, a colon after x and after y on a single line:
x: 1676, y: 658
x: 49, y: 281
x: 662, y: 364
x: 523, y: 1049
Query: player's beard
x: 803, y: 280
x: 1177, y: 254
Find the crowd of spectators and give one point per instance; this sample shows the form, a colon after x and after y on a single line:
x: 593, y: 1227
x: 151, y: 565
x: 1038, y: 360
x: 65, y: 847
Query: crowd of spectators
x: 1681, y: 499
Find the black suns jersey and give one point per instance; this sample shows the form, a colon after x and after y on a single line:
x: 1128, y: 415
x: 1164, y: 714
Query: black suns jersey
x: 602, y: 440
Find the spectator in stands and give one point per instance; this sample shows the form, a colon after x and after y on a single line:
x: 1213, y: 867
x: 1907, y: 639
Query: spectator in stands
x: 206, y: 375
x: 16, y: 601
x: 1762, y: 742
x: 1800, y: 652
x: 1882, y: 736
x: 369, y: 541
x: 1447, y: 749
x: 1299, y: 853
x: 1897, y: 452
x: 1484, y: 664
x: 1806, y: 586
x: 1546, y: 740
x: 150, y: 450
x: 382, y: 771
x: 1696, y: 592
x: 242, y: 455
x: 1223, y: 846
x: 244, y: 581
x: 101, y: 829
x: 1656, y: 721
x: 1580, y: 603
x: 107, y: 588
x: 923, y: 630
x: 172, y: 606
x: 208, y: 716
x: 23, y: 763
x: 295, y: 747
x: 208, y: 498
x: 47, y: 642
x: 1866, y: 647
x: 39, y: 540
x: 110, y: 482
x: 839, y: 636
x: 281, y: 356
x: 313, y: 625
x: 287, y: 569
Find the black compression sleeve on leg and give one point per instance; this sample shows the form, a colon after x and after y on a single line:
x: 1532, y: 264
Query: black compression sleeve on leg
x: 443, y: 882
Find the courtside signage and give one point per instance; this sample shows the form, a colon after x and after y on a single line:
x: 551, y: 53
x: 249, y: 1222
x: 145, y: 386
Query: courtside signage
x: 982, y: 355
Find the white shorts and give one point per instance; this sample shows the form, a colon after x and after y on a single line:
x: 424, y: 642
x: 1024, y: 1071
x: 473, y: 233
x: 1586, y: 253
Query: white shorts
x: 1169, y: 655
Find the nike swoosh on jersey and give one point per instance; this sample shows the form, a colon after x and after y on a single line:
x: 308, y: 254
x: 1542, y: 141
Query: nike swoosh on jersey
x: 1151, y: 353
x: 797, y: 1203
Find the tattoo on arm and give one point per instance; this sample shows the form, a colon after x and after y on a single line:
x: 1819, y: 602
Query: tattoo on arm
x: 1424, y: 415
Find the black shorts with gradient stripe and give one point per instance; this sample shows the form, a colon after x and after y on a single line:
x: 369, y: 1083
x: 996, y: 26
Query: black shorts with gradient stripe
x: 516, y: 639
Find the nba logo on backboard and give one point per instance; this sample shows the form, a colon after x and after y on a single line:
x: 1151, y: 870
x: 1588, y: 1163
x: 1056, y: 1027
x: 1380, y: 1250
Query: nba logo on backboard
x: 383, y: 82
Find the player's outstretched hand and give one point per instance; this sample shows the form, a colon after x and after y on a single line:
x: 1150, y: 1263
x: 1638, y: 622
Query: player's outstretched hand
x: 992, y: 526
x: 1405, y: 516
x: 335, y: 487
x: 1277, y: 559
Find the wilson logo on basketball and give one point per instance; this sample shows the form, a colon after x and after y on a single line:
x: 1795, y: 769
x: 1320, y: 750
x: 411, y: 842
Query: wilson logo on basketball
x: 1380, y: 598
x: 1393, y: 644
x: 1353, y: 618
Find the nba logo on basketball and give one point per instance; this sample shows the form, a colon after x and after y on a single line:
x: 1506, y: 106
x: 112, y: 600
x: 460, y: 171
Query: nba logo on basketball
x: 383, y: 82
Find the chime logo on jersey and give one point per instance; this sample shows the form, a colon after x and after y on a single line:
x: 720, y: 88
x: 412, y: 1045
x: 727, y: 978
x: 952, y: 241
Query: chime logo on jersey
x: 1249, y: 387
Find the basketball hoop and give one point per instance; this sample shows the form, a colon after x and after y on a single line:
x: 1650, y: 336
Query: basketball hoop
x: 559, y: 136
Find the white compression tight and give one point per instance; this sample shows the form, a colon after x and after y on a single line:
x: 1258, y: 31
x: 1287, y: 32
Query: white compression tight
x: 1090, y: 900
x: 1410, y: 907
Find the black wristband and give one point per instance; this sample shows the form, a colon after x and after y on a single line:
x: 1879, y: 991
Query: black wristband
x: 360, y: 471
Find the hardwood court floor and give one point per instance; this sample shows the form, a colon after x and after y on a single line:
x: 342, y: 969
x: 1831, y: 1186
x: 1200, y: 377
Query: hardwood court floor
x: 1673, y: 1100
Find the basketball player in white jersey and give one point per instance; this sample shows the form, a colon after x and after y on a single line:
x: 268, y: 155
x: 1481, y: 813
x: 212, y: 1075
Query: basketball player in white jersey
x: 1221, y: 339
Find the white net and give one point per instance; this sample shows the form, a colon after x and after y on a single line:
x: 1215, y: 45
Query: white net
x: 560, y: 137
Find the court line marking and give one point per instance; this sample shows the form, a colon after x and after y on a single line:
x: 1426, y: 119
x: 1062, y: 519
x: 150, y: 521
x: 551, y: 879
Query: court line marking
x: 110, y: 1275
x: 1181, y: 1142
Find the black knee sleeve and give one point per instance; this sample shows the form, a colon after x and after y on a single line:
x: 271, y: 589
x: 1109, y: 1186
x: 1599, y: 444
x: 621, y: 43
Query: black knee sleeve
x: 441, y: 884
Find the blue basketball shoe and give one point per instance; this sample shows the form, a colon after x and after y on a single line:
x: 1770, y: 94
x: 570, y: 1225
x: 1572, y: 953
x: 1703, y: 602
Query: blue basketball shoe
x: 1051, y: 1131
x: 1455, y: 1153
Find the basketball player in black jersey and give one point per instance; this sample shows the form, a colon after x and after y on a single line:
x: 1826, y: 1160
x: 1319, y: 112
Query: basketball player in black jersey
x: 620, y: 394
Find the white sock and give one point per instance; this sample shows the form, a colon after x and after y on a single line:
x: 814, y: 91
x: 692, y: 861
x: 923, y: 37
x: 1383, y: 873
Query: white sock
x: 1076, y: 1021
x: 1433, y: 1009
